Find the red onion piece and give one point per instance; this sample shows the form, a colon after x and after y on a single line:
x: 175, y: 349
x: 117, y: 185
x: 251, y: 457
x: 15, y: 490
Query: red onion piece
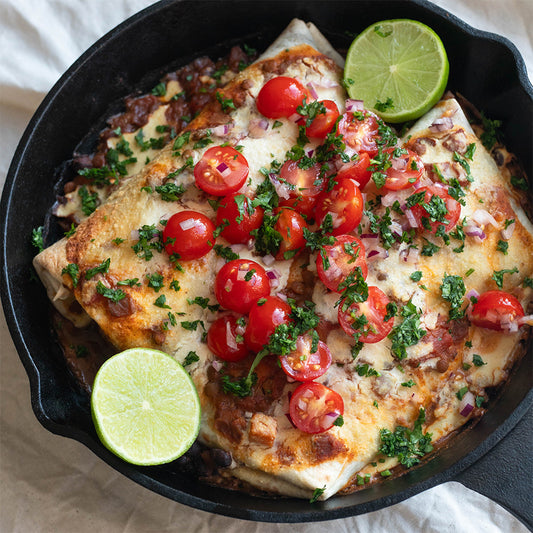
x: 328, y: 84
x: 373, y: 255
x: 467, y: 404
x: 273, y: 274
x: 483, y: 217
x: 283, y: 190
x: 369, y: 236
x: 221, y: 130
x: 188, y: 224
x: 411, y: 219
x: 527, y: 319
x: 400, y: 196
x: 230, y: 339
x: 258, y: 128
x: 354, y: 105
x: 472, y: 293
x: 399, y: 163
x: 507, y: 232
x: 312, y: 90
x: 441, y: 124
x: 268, y: 259
x: 474, y: 231
x: 217, y: 365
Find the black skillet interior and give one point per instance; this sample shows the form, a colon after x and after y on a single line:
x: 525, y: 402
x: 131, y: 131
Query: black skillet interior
x: 485, y: 68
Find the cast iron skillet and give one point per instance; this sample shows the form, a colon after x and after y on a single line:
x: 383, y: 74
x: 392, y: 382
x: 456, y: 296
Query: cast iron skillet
x: 485, y: 68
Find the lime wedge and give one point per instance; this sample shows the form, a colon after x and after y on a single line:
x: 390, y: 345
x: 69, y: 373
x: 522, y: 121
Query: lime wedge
x: 399, y: 69
x: 145, y: 407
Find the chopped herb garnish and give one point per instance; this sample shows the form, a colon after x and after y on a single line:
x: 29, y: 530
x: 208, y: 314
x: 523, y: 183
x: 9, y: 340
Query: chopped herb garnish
x: 89, y: 201
x: 190, y: 358
x: 409, y: 383
x: 146, y: 243
x: 497, y: 275
x: 134, y: 282
x: 408, y: 332
x: 316, y: 494
x: 73, y: 271
x: 366, y: 370
x: 115, y: 295
x: 477, y: 360
x: 502, y: 247
x: 453, y: 290
x: 37, y: 238
x: 491, y: 134
x: 226, y: 103
x: 519, y: 183
x: 170, y: 192
x: 405, y: 444
x: 225, y: 252
x: 100, y: 269
x: 160, y: 89
x: 416, y: 276
x: 192, y: 326
x: 461, y: 392
x: 155, y: 281
x: 383, y: 106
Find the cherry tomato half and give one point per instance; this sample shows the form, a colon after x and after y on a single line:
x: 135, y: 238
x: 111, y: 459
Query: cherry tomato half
x: 265, y: 315
x: 240, y: 283
x: 290, y: 225
x: 345, y: 205
x: 343, y: 256
x: 374, y: 309
x: 221, y: 171
x: 237, y: 209
x: 313, y: 407
x: 225, y: 338
x: 279, y: 97
x: 437, y: 196
x: 494, y: 308
x: 360, y: 134
x: 188, y: 234
x: 306, y: 186
x: 302, y: 365
x: 357, y: 170
x: 405, y: 171
x: 323, y: 123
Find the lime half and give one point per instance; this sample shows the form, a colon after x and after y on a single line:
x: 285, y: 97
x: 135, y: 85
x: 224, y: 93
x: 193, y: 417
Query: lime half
x: 145, y: 407
x: 399, y: 68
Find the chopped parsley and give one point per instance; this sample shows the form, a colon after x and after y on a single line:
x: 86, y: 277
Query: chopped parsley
x: 497, y: 275
x: 461, y: 392
x: 155, y: 281
x: 225, y: 252
x: 491, y: 134
x: 366, y: 370
x: 339, y: 421
x: 161, y: 302
x: 409, y: 383
x: 160, y: 89
x: 175, y: 285
x: 416, y: 276
x: 70, y: 231
x: 146, y: 243
x: 73, y: 271
x: 115, y: 295
x: 103, y: 268
x: 477, y: 360
x: 190, y: 358
x: 203, y: 303
x: 470, y: 151
x: 134, y: 282
x: 267, y: 238
x: 464, y: 163
x: 519, y: 182
x: 383, y: 106
x: 37, y: 238
x: 192, y: 326
x: 89, y: 201
x: 453, y: 290
x: 408, y: 332
x: 316, y: 494
x: 502, y: 247
x: 528, y: 282
x: 170, y: 192
x: 227, y: 104
x: 406, y: 444
x: 311, y: 111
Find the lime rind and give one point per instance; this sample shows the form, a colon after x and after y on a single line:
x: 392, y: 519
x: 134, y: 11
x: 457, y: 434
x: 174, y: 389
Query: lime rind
x: 409, y: 65
x: 145, y: 407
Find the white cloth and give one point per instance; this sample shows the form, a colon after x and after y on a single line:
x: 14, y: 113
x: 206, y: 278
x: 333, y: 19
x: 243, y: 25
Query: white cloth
x: 52, y: 484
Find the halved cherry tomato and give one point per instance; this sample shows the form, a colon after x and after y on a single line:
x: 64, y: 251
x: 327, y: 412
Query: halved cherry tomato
x: 290, y: 225
x: 237, y: 209
x: 313, y: 407
x: 374, y: 309
x: 347, y: 253
x: 433, y: 197
x: 360, y: 134
x: 357, y: 170
x: 323, y: 123
x: 188, y: 234
x: 279, y: 97
x: 265, y: 315
x: 306, y: 186
x: 240, y: 283
x: 345, y: 205
x: 302, y: 365
x: 405, y: 171
x: 225, y: 339
x: 221, y: 171
x: 495, y: 308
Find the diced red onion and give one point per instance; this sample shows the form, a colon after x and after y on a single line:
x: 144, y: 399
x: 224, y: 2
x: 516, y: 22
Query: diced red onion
x: 369, y: 236
x: 354, y: 105
x: 400, y: 196
x: 272, y: 274
x: 472, y: 293
x: 467, y: 404
x: 396, y: 228
x: 312, y: 90
x: 238, y: 248
x: 224, y: 169
x: 508, y: 323
x: 188, y: 224
x: 239, y: 330
x: 411, y: 219
x: 329, y: 84
x: 258, y: 128
x: 507, y: 233
x: 483, y: 217
x: 410, y: 255
x: 441, y: 124
x: 399, y: 163
x: 217, y: 365
x: 373, y: 255
x: 474, y: 231
x: 295, y: 117
x: 230, y: 339
x: 221, y: 130
x: 283, y: 190
x: 310, y: 153
x: 527, y: 319
x: 268, y: 260
x: 282, y: 296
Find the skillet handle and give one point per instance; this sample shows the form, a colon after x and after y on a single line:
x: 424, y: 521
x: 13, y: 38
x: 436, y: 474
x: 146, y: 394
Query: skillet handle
x: 505, y: 474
